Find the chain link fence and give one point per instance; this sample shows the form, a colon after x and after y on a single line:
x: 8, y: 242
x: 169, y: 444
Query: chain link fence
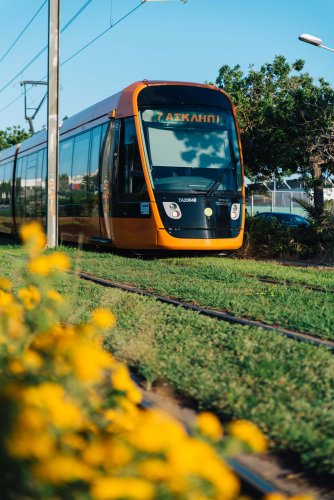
x: 277, y: 201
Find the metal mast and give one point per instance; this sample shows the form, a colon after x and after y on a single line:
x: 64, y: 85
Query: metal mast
x: 53, y: 124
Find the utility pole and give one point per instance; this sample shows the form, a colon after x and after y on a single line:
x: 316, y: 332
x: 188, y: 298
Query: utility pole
x: 53, y: 124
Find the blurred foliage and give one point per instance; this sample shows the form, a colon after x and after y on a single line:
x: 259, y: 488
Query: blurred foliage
x: 70, y: 424
x: 269, y: 238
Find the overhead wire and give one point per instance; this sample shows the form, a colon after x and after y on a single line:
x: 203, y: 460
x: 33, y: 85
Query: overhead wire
x: 83, y: 47
x: 22, y: 32
x: 103, y: 33
x: 45, y: 48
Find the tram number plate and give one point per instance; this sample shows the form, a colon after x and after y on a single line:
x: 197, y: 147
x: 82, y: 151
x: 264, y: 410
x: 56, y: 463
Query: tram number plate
x: 187, y: 200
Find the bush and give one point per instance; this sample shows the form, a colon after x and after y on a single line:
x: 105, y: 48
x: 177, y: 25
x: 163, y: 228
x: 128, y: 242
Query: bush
x: 70, y: 424
x: 271, y: 239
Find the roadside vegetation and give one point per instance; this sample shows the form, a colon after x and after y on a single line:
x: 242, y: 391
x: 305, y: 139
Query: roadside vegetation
x: 315, y: 243
x: 285, y: 387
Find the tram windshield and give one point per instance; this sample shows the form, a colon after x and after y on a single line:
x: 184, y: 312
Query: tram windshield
x: 192, y: 149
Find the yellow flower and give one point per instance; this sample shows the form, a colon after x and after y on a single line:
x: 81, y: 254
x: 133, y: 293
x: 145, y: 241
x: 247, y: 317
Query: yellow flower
x: 102, y: 318
x: 50, y: 398
x: 59, y: 261
x: 120, y: 421
x: 25, y: 444
x: 62, y: 468
x: 29, y: 296
x: 89, y: 360
x: 74, y: 441
x: 121, y: 381
x: 275, y: 496
x: 108, y: 488
x: 250, y: 434
x: 305, y: 496
x: 155, y: 470
x: 209, y: 425
x: 6, y: 299
x: 117, y: 454
x: 47, y: 264
x: 32, y: 360
x: 33, y: 236
x: 94, y: 453
x: 156, y: 432
x: 40, y: 265
x: 54, y: 296
x: 30, y: 419
x: 197, y: 458
x: 16, y: 367
x: 5, y: 284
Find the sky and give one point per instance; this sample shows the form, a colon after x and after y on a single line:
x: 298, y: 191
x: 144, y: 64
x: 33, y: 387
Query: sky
x: 161, y: 40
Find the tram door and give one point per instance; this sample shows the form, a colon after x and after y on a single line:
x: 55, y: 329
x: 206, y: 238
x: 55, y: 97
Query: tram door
x: 131, y: 219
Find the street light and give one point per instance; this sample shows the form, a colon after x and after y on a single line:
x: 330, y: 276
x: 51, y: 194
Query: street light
x: 313, y: 40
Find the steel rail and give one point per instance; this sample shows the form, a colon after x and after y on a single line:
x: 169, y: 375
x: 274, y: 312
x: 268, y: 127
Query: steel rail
x: 212, y: 313
x: 274, y: 281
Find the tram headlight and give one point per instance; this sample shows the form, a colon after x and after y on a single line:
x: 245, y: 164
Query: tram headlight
x: 172, y: 209
x: 235, y: 211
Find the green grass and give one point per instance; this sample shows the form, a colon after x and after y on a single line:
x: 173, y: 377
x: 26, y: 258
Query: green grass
x: 286, y: 387
x: 223, y: 284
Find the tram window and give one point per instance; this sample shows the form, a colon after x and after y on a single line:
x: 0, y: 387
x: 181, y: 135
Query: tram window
x: 79, y: 184
x: 93, y: 180
x: 5, y: 188
x: 43, y: 182
x: 31, y: 185
x: 21, y: 186
x: 65, y: 166
x: 131, y: 181
x: 39, y: 177
x: 2, y: 186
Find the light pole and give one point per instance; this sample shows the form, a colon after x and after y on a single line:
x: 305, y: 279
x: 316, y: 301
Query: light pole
x: 53, y: 125
x: 313, y: 40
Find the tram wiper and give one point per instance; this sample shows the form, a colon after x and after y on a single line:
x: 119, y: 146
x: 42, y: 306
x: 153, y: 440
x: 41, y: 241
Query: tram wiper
x: 231, y: 167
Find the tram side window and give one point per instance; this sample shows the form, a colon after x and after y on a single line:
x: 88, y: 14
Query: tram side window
x: 80, y: 175
x: 65, y: 166
x: 31, y: 185
x: 5, y: 188
x: 131, y: 181
x: 2, y: 186
x: 93, y: 179
x: 43, y: 182
x: 40, y: 202
x: 20, y: 186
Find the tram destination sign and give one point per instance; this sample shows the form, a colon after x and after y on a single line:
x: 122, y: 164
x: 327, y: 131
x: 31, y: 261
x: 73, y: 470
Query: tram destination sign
x: 183, y: 117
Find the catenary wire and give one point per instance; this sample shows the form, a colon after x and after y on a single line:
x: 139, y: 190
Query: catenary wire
x: 81, y: 49
x: 103, y: 33
x: 46, y: 46
x: 22, y: 32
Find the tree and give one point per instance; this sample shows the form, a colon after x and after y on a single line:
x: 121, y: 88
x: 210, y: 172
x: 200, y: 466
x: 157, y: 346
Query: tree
x: 286, y: 122
x: 11, y: 136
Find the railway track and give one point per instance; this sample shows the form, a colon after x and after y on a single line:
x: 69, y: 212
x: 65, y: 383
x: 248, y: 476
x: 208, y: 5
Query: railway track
x: 273, y: 281
x: 211, y: 313
x: 310, y: 338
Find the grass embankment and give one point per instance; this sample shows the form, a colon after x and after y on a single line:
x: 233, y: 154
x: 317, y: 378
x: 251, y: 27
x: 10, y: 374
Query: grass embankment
x: 287, y: 388
x: 224, y: 284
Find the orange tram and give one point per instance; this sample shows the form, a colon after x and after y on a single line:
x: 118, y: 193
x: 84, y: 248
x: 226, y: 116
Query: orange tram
x: 157, y: 166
